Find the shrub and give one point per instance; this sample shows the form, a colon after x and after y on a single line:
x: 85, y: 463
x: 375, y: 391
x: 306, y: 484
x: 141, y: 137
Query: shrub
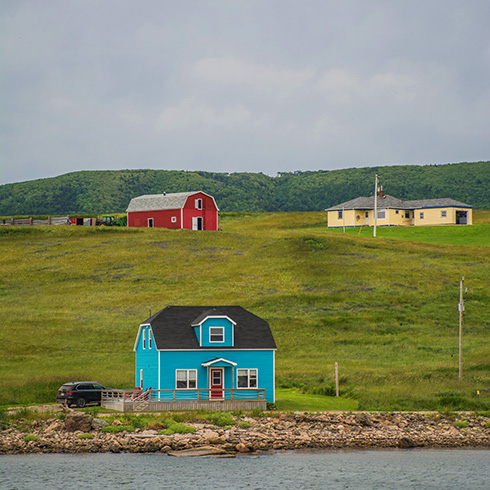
x: 244, y: 424
x: 85, y: 436
x: 30, y: 437
x: 221, y: 419
x: 117, y: 428
x: 460, y: 424
x: 174, y: 427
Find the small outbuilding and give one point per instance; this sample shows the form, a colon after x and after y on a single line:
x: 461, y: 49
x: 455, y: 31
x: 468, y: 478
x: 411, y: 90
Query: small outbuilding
x: 181, y: 210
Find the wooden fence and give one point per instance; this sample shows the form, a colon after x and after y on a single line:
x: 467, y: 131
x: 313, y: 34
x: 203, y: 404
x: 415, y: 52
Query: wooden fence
x: 63, y: 220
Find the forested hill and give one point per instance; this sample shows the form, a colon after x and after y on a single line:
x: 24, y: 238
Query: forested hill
x: 92, y: 192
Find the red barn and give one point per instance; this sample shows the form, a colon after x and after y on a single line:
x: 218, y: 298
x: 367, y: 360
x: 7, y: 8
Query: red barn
x: 182, y: 210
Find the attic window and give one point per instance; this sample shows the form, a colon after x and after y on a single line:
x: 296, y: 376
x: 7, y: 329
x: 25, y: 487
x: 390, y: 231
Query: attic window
x: 216, y: 334
x: 149, y: 339
x: 144, y: 339
x: 198, y: 203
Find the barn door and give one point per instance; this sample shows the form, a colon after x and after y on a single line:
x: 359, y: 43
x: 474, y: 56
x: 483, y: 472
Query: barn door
x: 197, y: 223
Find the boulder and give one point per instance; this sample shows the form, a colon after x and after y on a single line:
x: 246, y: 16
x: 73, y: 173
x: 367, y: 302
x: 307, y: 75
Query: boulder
x: 78, y: 421
x: 99, y: 424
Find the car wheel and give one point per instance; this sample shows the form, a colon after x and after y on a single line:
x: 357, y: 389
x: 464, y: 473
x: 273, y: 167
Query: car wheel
x: 81, y: 402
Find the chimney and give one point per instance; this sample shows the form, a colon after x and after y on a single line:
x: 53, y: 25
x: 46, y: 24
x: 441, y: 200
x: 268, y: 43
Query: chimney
x: 382, y: 193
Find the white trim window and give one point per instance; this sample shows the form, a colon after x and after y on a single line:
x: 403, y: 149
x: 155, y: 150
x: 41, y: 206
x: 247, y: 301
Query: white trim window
x: 144, y: 338
x: 421, y: 215
x: 185, y: 379
x: 247, y: 378
x: 382, y: 214
x: 443, y: 214
x: 150, y: 222
x: 174, y: 219
x: 150, y: 342
x: 141, y: 378
x: 199, y: 203
x: 216, y: 334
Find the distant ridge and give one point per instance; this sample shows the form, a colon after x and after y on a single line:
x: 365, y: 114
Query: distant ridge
x: 109, y: 191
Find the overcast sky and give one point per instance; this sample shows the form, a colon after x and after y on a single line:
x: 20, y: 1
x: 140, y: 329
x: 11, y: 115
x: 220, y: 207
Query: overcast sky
x: 241, y: 85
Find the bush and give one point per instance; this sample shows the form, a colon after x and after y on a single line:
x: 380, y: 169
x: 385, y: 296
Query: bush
x: 173, y: 427
x: 85, y: 436
x: 113, y: 429
x: 30, y: 437
x: 461, y: 424
x: 244, y: 424
x: 221, y: 419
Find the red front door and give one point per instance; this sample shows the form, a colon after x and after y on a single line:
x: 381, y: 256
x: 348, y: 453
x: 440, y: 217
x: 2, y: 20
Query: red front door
x: 216, y: 382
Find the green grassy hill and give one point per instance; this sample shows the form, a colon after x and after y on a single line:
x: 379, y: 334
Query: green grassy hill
x: 385, y: 309
x: 96, y: 192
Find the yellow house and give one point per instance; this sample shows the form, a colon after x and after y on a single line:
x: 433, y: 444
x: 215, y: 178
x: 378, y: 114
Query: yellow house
x: 395, y: 212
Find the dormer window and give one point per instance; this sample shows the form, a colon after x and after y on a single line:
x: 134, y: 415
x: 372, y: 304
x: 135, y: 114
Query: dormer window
x: 216, y: 334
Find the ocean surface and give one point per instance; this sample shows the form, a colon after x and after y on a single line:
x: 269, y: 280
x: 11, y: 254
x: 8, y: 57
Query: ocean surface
x: 421, y: 469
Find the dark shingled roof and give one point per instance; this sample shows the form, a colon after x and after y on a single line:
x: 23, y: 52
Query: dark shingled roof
x: 172, y: 328
x: 390, y: 202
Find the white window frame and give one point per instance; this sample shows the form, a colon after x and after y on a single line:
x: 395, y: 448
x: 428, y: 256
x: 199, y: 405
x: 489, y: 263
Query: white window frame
x: 215, y: 333
x: 199, y: 203
x: 151, y: 223
x: 187, y: 379
x: 340, y: 214
x: 144, y: 339
x: 444, y: 214
x: 382, y: 214
x: 150, y: 342
x: 141, y: 379
x: 174, y: 219
x: 249, y: 378
x: 422, y: 215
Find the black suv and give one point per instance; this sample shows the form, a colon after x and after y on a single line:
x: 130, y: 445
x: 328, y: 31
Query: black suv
x: 80, y: 393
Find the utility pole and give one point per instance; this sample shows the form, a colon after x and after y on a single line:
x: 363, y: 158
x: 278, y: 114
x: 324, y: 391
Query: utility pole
x: 336, y: 379
x: 461, y: 309
x: 375, y: 205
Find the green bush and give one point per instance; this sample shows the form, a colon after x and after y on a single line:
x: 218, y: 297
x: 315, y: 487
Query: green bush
x: 30, y: 437
x: 173, y: 427
x: 221, y: 419
x: 244, y: 424
x: 461, y: 424
x: 117, y: 428
x: 85, y: 436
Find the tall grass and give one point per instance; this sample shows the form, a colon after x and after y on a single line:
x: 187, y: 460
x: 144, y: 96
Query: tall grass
x: 385, y: 309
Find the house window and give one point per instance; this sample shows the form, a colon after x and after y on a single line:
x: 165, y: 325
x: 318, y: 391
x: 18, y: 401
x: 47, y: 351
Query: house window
x: 186, y: 379
x: 144, y: 339
x: 407, y: 214
x: 150, y: 222
x: 149, y: 339
x: 246, y: 378
x: 141, y: 378
x: 382, y: 214
x: 198, y: 203
x: 397, y: 212
x: 340, y: 214
x: 216, y: 334
x: 174, y: 219
x: 421, y: 215
x: 443, y: 214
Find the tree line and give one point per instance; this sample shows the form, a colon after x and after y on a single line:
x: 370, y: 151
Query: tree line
x: 109, y: 191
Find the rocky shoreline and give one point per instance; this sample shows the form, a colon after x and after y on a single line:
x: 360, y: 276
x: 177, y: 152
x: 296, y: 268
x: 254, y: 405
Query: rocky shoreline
x: 81, y: 433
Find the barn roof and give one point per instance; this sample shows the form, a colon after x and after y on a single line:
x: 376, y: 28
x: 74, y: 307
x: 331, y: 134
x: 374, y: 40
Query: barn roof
x: 172, y: 327
x: 156, y: 202
x: 390, y: 202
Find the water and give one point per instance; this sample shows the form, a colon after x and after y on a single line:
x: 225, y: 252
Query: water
x: 423, y: 469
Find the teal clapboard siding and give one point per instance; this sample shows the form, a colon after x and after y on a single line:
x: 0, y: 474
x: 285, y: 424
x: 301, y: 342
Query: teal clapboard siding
x: 221, y: 322
x: 146, y: 360
x: 262, y: 360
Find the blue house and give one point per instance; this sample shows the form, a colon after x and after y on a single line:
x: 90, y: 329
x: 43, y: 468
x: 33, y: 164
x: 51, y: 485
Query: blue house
x: 205, y: 354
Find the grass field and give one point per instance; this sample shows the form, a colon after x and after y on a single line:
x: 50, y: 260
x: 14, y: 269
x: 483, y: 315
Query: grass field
x: 385, y: 309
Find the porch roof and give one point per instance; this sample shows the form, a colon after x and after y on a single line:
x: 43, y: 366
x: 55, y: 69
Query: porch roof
x: 219, y: 362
